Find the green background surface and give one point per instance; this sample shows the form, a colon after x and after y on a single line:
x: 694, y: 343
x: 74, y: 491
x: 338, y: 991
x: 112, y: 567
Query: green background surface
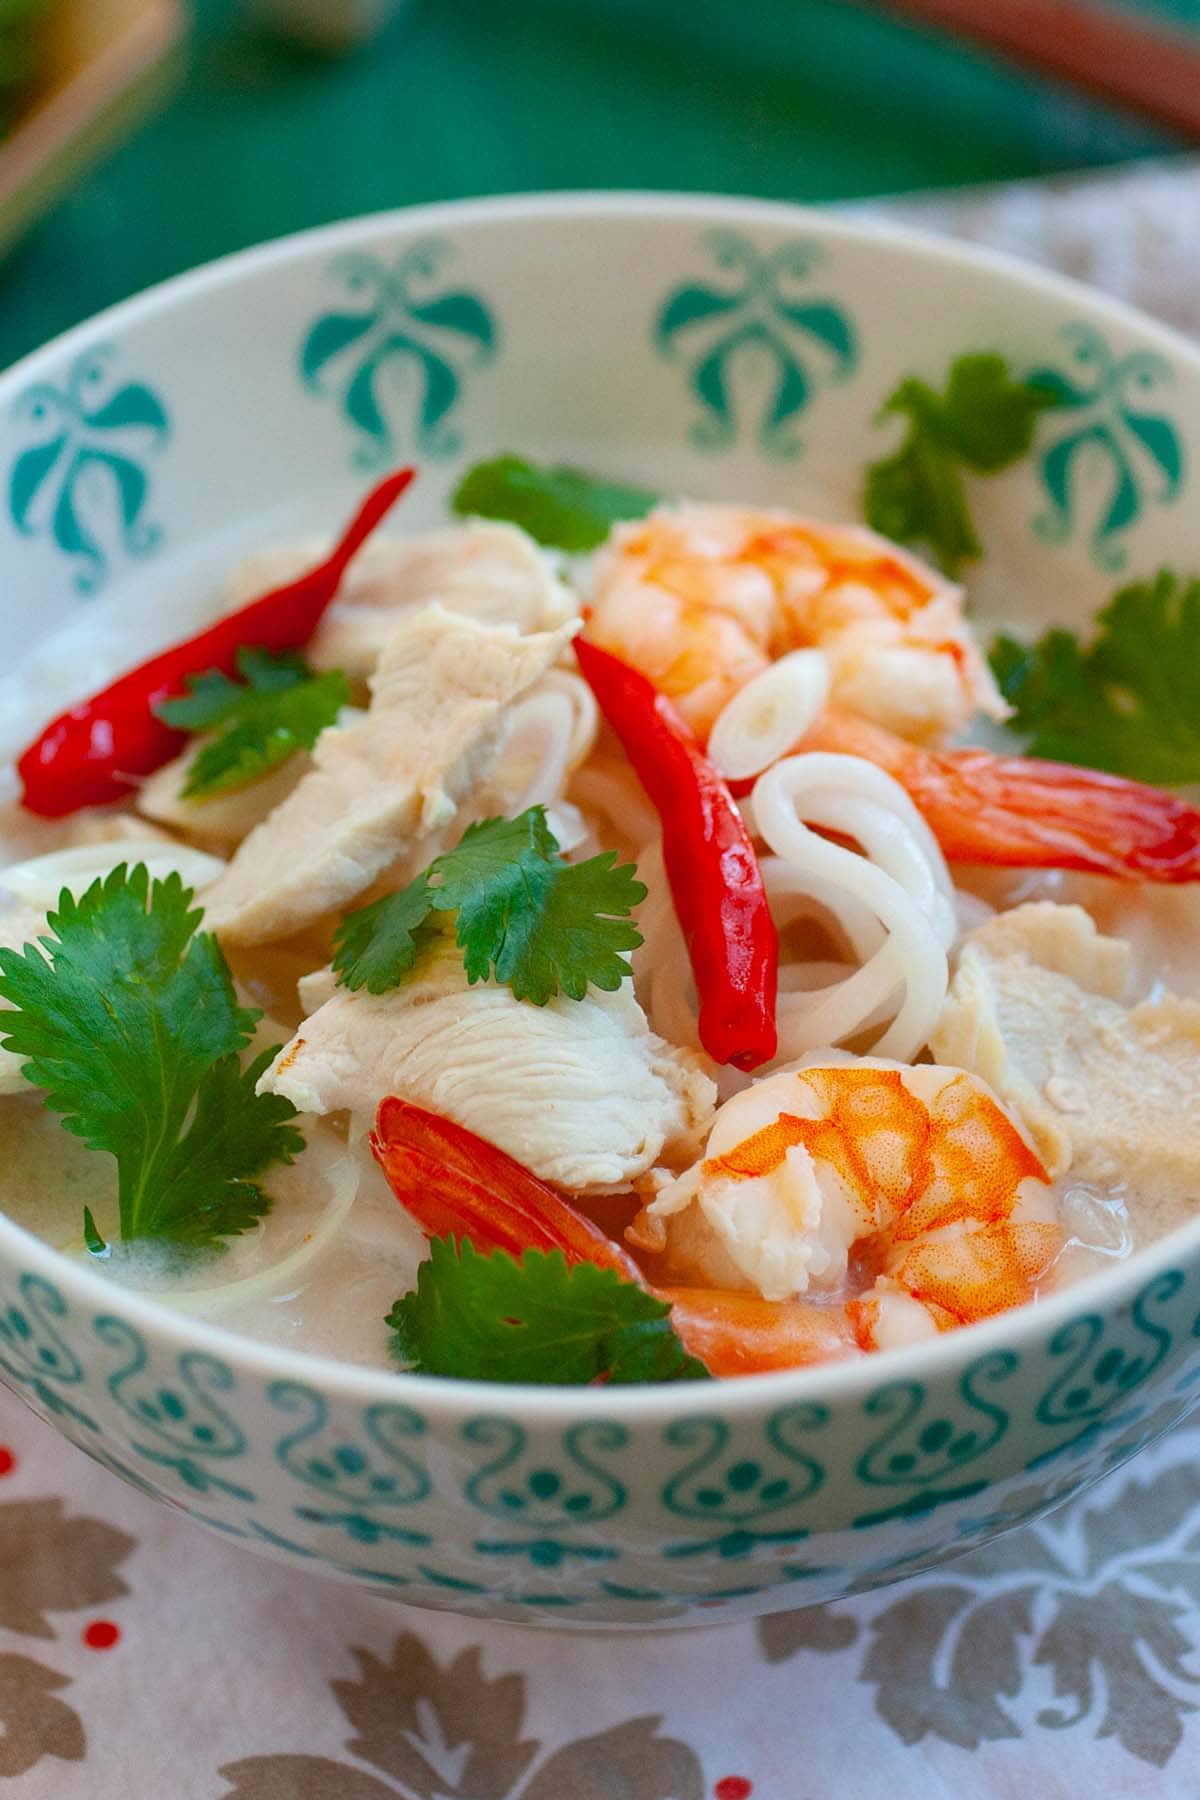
x: 790, y: 99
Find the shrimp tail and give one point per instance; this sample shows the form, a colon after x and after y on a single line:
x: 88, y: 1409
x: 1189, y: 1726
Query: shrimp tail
x: 455, y: 1184
x: 740, y: 1334
x: 1019, y: 812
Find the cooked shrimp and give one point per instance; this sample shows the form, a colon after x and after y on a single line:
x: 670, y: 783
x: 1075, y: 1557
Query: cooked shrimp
x: 910, y: 1188
x: 919, y: 1171
x: 704, y: 598
x: 454, y: 1182
x: 1018, y: 812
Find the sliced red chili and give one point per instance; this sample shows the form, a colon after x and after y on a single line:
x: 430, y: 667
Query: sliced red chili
x: 96, y: 751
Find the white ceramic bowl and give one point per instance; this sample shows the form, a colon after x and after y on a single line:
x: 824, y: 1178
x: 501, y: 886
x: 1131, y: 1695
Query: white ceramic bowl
x: 710, y: 346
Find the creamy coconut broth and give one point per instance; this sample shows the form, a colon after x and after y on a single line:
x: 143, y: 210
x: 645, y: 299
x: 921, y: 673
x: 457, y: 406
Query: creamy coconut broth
x: 899, y: 1035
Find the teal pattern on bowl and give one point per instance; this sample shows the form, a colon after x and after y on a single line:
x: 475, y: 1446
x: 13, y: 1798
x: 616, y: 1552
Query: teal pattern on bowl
x: 83, y: 476
x: 1107, y: 410
x: 640, y: 335
x: 695, y: 1505
x: 395, y: 355
x: 768, y: 309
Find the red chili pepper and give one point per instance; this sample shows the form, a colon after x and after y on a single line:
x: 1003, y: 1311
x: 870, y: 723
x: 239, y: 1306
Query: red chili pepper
x: 714, y: 874
x: 95, y: 752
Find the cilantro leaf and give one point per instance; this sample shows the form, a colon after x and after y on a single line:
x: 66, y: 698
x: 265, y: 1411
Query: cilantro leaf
x: 375, y: 947
x: 988, y: 414
x: 213, y: 699
x: 491, y: 1318
x: 526, y: 916
x: 1129, y: 701
x: 916, y: 497
x: 570, y: 942
x: 560, y: 507
x: 984, y: 421
x: 279, y: 707
x: 127, y: 1017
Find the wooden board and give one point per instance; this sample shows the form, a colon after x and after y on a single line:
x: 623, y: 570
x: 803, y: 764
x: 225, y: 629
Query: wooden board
x: 108, y: 60
x: 1145, y: 58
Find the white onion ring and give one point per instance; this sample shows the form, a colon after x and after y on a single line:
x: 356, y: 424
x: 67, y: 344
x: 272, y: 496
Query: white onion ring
x: 40, y: 880
x: 611, y: 788
x: 223, y: 1297
x: 532, y: 762
x: 585, y: 722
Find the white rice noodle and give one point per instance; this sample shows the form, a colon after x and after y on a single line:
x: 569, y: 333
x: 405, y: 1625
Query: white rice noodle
x: 900, y: 881
x: 770, y: 715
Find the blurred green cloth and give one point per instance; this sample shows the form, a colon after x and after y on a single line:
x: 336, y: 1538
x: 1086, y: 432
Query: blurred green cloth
x: 789, y: 99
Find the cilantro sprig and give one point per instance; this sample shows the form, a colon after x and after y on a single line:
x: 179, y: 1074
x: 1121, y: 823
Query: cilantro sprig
x: 491, y: 1318
x: 982, y: 421
x: 565, y: 509
x: 126, y: 1016
x: 280, y: 706
x: 1128, y: 701
x: 525, y: 916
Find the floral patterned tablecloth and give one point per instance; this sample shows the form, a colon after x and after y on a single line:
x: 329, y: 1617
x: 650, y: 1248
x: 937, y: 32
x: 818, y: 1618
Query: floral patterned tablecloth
x: 141, y: 1659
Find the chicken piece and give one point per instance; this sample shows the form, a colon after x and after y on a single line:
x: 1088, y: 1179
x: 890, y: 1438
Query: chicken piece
x: 580, y: 1091
x: 381, y: 786
x: 221, y: 820
x: 490, y: 572
x: 101, y: 827
x: 1106, y: 1086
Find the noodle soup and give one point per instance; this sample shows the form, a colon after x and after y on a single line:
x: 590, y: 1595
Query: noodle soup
x: 644, y: 931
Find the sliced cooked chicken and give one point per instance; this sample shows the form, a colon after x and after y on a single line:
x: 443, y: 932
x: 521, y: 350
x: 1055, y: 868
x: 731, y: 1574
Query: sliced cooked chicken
x: 1107, y: 1087
x: 490, y: 572
x: 221, y: 820
x: 381, y: 786
x: 582, y: 1092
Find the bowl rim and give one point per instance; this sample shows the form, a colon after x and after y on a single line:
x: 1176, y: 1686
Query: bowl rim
x: 829, y: 1383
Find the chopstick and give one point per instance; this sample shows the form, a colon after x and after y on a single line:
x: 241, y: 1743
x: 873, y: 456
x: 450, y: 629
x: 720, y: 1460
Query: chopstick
x: 1104, y: 49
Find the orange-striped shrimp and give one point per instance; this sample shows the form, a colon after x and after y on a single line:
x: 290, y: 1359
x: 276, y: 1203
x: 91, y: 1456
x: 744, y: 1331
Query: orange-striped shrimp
x: 455, y: 1183
x: 703, y: 598
x: 947, y: 1208
x: 905, y: 1195
x: 1019, y: 812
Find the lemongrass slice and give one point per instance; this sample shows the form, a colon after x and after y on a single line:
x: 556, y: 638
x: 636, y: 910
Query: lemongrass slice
x: 770, y: 715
